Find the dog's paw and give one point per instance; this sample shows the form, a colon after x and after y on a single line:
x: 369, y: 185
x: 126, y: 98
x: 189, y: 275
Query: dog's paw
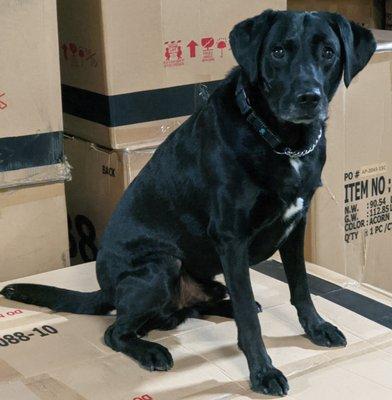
x: 326, y: 334
x: 155, y: 358
x: 269, y: 381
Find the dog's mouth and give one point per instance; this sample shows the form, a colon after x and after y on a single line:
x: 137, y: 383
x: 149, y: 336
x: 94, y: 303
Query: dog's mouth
x: 300, y: 116
x: 302, y: 120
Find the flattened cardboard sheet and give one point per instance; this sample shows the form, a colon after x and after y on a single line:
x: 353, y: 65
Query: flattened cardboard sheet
x: 74, y: 364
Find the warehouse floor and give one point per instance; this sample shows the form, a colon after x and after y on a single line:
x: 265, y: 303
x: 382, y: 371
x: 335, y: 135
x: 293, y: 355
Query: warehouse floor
x: 70, y: 362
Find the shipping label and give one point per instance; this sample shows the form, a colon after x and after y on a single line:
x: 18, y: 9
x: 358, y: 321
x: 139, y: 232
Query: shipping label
x: 367, y: 202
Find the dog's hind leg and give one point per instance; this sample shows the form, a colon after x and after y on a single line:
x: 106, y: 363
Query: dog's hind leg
x: 142, y: 296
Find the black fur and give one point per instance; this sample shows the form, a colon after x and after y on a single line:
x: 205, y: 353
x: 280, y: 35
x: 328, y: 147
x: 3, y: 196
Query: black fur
x: 214, y: 198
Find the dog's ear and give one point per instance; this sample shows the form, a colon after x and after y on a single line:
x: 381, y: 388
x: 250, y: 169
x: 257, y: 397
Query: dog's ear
x: 357, y: 44
x: 246, y: 40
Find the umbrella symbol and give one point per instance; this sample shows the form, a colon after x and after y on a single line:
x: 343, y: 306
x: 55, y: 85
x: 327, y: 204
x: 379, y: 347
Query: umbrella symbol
x: 221, y: 45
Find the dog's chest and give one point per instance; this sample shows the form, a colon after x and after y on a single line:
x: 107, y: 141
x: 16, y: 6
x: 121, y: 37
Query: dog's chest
x: 280, y: 208
x: 296, y: 190
x: 286, y: 198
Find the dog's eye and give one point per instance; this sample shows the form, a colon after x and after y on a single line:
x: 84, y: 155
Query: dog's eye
x: 278, y: 52
x: 328, y: 53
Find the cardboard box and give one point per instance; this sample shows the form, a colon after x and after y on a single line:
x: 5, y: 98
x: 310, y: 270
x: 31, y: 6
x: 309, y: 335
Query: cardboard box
x: 30, y: 98
x: 350, y: 225
x: 130, y: 69
x: 31, y: 148
x: 99, y: 178
x: 33, y: 226
x: 369, y: 13
x: 62, y: 356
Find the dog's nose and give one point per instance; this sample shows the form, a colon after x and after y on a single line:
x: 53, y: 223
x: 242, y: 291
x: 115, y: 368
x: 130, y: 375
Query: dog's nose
x: 309, y: 98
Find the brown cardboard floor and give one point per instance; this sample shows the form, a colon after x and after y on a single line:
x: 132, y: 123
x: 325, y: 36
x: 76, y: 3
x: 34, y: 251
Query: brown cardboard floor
x: 62, y: 356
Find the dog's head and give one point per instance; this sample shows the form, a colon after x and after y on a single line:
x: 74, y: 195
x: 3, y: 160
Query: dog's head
x: 297, y: 59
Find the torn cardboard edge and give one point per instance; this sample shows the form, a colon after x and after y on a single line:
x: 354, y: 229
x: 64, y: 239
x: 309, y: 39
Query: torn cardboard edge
x: 54, y: 173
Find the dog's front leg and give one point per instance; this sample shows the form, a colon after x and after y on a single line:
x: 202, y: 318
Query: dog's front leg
x: 318, y: 330
x: 264, y: 377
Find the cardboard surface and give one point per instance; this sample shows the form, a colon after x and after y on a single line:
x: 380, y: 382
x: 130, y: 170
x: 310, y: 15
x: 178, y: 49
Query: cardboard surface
x: 99, y: 178
x: 351, y: 213
x: 368, y: 13
x: 108, y: 48
x: 74, y: 364
x: 33, y: 226
x: 30, y: 99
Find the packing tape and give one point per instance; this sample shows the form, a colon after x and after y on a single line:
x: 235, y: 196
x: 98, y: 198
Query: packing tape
x: 46, y: 387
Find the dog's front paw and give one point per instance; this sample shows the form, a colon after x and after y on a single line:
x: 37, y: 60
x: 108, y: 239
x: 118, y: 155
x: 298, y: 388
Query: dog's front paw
x: 271, y: 381
x: 154, y: 358
x: 325, y: 334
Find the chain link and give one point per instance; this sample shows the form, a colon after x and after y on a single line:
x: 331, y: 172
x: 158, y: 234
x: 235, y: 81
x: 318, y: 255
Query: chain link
x: 302, y: 153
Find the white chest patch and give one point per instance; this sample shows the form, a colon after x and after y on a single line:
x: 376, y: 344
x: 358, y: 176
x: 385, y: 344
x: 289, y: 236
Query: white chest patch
x: 296, y: 164
x: 294, y: 208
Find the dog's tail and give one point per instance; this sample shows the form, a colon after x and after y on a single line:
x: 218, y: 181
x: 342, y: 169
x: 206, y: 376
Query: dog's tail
x: 58, y: 299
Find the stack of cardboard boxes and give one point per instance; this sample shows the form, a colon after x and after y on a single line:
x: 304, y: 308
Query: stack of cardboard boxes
x: 126, y: 86
x: 33, y: 221
x: 132, y: 72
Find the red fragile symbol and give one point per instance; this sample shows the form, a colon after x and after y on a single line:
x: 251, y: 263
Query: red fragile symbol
x: 3, y: 104
x: 208, y: 42
x: 192, y: 48
x: 221, y: 45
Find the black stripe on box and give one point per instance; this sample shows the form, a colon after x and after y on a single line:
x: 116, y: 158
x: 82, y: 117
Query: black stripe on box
x: 31, y: 151
x: 133, y: 108
x: 356, y: 302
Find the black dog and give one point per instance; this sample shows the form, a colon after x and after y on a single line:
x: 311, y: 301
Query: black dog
x: 226, y: 190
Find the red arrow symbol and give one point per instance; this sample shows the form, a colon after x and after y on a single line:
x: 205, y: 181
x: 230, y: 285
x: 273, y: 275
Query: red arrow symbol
x: 192, y: 48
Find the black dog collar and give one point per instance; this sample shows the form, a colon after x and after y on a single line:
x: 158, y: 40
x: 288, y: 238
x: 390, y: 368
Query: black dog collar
x: 260, y: 126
